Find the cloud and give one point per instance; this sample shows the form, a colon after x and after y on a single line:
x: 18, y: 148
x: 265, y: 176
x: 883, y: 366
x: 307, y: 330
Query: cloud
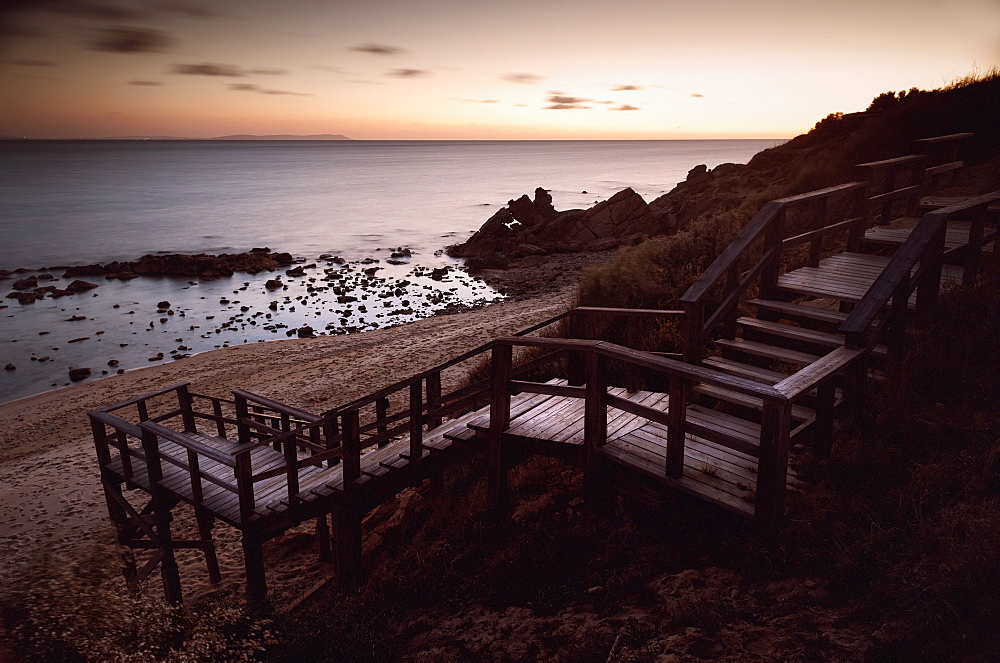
x: 328, y: 68
x: 99, y: 10
x: 250, y: 87
x: 561, y: 101
x: 625, y: 107
x: 377, y: 49
x: 268, y: 72
x: 696, y: 95
x: 481, y: 101
x: 408, y: 73
x: 123, y: 39
x: 522, y: 78
x: 626, y: 88
x: 146, y: 83
x: 208, y: 69
x: 28, y: 62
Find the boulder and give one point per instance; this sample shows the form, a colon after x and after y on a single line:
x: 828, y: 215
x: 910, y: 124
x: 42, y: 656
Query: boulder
x: 80, y: 286
x: 26, y: 284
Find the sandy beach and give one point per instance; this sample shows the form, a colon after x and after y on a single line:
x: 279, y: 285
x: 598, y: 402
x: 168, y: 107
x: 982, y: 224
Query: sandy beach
x: 49, y: 484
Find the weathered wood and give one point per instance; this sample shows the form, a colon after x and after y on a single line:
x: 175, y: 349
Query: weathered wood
x: 416, y: 423
x: 773, y: 465
x: 499, y: 421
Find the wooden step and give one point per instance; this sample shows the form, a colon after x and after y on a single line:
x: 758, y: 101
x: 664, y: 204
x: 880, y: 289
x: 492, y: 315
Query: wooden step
x: 827, y: 339
x: 461, y: 435
x: 790, y: 332
x: 799, y: 412
x: 749, y: 371
x: 767, y: 351
x: 799, y: 311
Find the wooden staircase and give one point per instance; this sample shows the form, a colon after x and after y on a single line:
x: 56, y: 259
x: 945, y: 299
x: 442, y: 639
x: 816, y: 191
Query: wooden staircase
x: 784, y: 329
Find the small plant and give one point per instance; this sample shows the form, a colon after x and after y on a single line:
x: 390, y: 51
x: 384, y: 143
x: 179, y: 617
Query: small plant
x: 710, y: 470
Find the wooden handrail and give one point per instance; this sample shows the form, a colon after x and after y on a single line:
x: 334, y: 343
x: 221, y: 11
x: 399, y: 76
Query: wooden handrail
x: 276, y: 406
x: 145, y: 397
x: 646, y: 360
x: 833, y: 363
x: 227, y: 459
x: 753, y: 230
x: 912, y: 250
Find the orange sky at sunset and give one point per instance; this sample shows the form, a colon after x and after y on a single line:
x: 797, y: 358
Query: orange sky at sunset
x: 455, y: 69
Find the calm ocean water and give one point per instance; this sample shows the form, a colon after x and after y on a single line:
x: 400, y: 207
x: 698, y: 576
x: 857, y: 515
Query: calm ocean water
x: 78, y: 202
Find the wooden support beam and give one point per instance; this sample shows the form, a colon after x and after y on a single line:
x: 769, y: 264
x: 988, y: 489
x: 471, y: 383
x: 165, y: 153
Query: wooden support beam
x: 501, y: 360
x: 772, y: 466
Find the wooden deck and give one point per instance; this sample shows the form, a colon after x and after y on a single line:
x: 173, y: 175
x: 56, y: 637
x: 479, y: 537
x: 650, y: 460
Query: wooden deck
x: 848, y: 276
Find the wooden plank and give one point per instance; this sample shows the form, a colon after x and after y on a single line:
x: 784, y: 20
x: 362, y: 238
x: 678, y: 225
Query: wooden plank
x: 748, y: 371
x: 799, y: 412
x: 799, y: 310
x: 833, y: 363
x: 767, y: 351
x: 793, y: 333
x: 897, y: 161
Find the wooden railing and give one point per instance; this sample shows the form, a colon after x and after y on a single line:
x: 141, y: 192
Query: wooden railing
x: 772, y: 451
x: 755, y: 257
x: 421, y: 406
x: 916, y: 265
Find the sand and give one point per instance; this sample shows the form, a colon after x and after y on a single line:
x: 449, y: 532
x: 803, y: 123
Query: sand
x: 49, y: 485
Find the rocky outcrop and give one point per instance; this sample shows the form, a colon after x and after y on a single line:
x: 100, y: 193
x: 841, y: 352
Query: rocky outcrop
x: 179, y: 264
x: 534, y: 227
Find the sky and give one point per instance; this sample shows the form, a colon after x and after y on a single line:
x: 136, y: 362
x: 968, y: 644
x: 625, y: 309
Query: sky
x: 468, y: 69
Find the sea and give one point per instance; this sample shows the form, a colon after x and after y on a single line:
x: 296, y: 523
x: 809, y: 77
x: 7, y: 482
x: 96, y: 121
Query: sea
x: 77, y: 202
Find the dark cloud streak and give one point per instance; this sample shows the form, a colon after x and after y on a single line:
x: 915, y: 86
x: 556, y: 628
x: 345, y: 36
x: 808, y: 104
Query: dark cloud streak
x: 250, y: 87
x: 408, y: 73
x: 208, y: 69
x: 123, y: 39
x: 626, y: 88
x: 146, y: 83
x: 377, y: 49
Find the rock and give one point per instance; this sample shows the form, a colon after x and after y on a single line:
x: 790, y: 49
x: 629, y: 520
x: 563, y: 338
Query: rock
x: 273, y: 284
x: 10, y: 367
x: 698, y: 172
x: 305, y: 332
x: 295, y: 271
x: 26, y: 284
x: 339, y: 261
x: 534, y: 227
x: 23, y: 297
x: 78, y: 340
x: 76, y: 318
x: 113, y: 362
x: 80, y: 286
x: 46, y: 277
x: 163, y: 304
x: 77, y: 374
x: 260, y: 250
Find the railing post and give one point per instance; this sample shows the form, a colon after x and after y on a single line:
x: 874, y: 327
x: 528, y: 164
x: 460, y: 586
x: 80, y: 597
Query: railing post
x: 186, y: 403
x: 351, y: 443
x: 772, y: 464
x: 575, y: 369
x: 692, y: 330
x: 972, y: 255
x: 416, y: 423
x: 349, y: 517
x: 595, y: 419
x: 242, y: 415
x: 930, y: 277
x: 896, y: 340
x: 502, y: 358
x: 677, y: 416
